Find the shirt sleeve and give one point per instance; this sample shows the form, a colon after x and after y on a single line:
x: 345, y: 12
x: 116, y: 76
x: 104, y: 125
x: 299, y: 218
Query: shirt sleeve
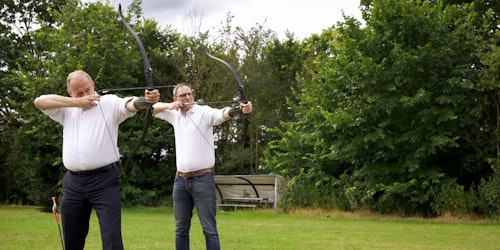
x: 117, y: 106
x: 166, y: 115
x: 215, y: 116
x: 55, y: 114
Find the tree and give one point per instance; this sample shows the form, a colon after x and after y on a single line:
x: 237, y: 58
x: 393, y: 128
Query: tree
x: 20, y: 54
x: 385, y: 121
x: 89, y: 37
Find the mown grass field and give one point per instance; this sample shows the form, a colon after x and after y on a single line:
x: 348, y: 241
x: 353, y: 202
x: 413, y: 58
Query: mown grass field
x: 25, y: 227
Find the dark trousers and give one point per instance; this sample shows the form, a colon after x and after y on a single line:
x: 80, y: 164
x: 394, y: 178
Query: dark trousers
x: 100, y: 191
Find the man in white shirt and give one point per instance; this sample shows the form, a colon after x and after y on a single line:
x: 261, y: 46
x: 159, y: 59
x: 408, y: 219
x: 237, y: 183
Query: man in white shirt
x: 195, y: 157
x: 90, y: 152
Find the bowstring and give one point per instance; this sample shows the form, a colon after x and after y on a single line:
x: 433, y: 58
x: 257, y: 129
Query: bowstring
x: 196, y: 126
x: 201, y: 133
x: 109, y: 132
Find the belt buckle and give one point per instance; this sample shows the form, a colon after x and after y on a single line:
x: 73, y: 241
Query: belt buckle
x: 186, y: 175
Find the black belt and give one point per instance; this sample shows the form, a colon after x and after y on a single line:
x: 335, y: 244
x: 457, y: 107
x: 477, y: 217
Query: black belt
x: 93, y: 171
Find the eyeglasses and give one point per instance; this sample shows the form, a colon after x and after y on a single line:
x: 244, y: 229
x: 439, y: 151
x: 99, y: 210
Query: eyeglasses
x: 185, y: 94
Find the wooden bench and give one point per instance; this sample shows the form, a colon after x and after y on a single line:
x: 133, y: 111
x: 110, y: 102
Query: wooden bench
x: 235, y: 205
x: 244, y: 200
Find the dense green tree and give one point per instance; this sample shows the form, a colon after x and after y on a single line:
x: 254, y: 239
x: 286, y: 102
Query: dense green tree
x: 386, y: 120
x: 89, y: 37
x: 18, y: 23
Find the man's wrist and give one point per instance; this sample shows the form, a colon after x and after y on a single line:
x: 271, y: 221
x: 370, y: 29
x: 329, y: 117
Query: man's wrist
x: 234, y: 111
x: 140, y: 103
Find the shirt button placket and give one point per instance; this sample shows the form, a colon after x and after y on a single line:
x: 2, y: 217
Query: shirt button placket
x: 81, y: 133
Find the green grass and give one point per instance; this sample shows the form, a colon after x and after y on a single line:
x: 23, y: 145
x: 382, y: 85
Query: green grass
x: 24, y: 227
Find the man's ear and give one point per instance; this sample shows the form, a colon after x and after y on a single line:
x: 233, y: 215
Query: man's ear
x: 69, y: 92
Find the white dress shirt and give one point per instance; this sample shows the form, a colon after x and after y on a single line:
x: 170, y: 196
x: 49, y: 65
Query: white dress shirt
x: 194, y: 141
x: 90, y: 136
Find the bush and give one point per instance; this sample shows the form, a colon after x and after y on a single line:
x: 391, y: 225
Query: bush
x: 310, y: 190
x: 451, y: 198
x: 488, y: 192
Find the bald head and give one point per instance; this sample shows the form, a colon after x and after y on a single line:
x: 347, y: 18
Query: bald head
x: 79, y: 84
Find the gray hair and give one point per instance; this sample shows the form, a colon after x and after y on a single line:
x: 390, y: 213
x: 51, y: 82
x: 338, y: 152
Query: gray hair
x: 183, y: 84
x: 76, y: 74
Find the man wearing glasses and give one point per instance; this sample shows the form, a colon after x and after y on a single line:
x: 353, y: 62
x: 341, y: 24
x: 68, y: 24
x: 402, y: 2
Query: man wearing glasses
x: 194, y: 181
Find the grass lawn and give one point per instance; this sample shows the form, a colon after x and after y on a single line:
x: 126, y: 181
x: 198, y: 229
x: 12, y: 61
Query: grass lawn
x: 25, y: 227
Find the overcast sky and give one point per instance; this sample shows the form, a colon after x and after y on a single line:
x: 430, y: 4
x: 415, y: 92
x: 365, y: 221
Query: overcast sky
x: 303, y: 17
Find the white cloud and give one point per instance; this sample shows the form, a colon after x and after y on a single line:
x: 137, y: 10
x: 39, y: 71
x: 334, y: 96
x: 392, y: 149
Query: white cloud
x: 303, y: 18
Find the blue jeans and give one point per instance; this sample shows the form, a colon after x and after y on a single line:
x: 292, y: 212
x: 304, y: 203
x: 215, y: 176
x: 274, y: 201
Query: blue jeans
x: 200, y: 192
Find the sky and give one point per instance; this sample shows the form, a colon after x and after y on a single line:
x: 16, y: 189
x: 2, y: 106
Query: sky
x: 303, y: 18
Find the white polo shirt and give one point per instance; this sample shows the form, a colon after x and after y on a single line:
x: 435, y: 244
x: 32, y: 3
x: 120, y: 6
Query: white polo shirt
x: 88, y: 142
x: 194, y: 141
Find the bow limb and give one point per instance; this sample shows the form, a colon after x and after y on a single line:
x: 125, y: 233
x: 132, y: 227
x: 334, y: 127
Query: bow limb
x: 241, y: 91
x: 239, y: 85
x: 148, y: 73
